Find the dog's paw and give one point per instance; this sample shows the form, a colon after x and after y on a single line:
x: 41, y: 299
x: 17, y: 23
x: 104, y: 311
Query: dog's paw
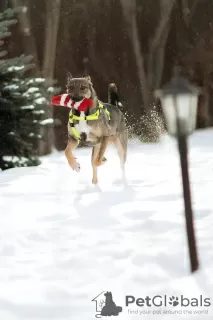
x: 94, y: 181
x: 77, y: 168
x: 74, y: 165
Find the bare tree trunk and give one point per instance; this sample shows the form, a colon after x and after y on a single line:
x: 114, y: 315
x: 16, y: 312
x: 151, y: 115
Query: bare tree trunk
x: 51, y: 33
x: 152, y: 79
x: 187, y: 12
x: 159, y: 61
x: 129, y: 9
x: 206, y: 104
x: 157, y: 45
x: 21, y: 7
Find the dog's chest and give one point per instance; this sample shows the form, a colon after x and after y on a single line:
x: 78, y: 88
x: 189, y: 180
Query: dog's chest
x: 82, y: 126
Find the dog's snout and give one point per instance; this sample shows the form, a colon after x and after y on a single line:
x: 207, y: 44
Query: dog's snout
x: 77, y: 98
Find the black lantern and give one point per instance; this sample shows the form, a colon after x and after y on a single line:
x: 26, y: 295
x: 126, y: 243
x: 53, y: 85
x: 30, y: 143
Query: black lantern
x: 179, y: 100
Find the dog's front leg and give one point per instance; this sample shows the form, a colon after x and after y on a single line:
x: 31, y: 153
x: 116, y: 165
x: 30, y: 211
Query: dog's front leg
x: 71, y: 145
x: 100, y: 157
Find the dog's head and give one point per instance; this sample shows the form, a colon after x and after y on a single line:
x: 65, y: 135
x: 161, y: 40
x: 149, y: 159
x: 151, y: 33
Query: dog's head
x: 80, y: 88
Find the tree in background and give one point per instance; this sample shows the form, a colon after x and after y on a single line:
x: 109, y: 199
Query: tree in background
x: 132, y: 43
x: 150, y: 64
x: 46, y: 67
x: 24, y: 106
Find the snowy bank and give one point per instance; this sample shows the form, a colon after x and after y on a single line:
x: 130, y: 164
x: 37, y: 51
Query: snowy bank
x: 64, y: 241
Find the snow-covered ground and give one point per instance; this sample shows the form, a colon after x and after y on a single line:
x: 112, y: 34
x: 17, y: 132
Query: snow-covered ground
x: 64, y: 241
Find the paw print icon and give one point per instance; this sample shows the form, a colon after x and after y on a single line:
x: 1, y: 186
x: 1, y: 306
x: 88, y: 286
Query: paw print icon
x: 173, y: 301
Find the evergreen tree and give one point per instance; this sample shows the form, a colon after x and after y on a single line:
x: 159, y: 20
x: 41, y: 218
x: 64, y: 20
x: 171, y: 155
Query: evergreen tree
x: 24, y: 105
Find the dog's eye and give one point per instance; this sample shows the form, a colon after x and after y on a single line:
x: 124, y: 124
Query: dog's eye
x: 83, y: 87
x: 71, y: 88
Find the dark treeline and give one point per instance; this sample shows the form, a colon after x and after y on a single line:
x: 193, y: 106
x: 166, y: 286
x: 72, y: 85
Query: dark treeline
x: 134, y: 43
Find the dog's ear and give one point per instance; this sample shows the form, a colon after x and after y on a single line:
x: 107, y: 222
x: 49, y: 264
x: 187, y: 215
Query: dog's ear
x: 69, y: 77
x: 88, y: 78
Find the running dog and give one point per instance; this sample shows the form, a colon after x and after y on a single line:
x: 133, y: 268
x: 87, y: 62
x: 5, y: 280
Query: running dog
x: 97, y: 126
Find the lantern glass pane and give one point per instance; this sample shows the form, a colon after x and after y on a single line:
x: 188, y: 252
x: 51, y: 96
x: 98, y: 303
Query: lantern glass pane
x: 181, y: 108
x: 186, y: 112
x: 168, y: 106
x: 193, y: 115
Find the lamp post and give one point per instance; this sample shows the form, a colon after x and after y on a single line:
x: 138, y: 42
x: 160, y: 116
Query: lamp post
x: 179, y: 101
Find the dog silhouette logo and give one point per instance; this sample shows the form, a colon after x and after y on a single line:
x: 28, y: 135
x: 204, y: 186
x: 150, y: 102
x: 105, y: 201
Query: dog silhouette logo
x: 105, y: 305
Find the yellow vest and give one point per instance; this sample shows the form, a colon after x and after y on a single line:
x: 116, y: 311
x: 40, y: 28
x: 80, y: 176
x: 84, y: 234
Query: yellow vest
x: 93, y: 116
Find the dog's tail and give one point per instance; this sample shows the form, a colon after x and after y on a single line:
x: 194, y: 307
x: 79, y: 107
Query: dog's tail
x: 113, y: 97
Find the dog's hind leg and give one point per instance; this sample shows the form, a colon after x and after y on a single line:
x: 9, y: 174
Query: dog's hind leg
x: 120, y: 143
x: 100, y: 157
x: 71, y: 145
x: 95, y: 152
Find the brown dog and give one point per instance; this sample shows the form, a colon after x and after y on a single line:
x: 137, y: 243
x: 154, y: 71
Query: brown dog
x: 107, y: 125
